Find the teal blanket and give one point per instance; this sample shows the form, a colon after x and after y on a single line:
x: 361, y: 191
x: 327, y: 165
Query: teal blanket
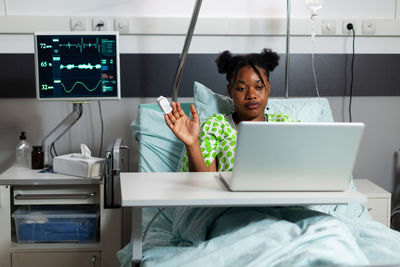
x: 266, y: 236
x: 270, y: 236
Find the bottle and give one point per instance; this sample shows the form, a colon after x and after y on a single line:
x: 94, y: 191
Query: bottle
x: 314, y: 5
x: 37, y: 156
x: 23, y: 152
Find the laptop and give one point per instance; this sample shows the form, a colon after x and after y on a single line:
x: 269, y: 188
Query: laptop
x: 279, y: 156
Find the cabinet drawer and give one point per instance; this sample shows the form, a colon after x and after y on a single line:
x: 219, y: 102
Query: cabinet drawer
x: 56, y: 194
x: 56, y: 259
x: 378, y: 207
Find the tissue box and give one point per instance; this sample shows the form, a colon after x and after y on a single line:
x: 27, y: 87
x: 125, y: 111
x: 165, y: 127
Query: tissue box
x: 77, y: 166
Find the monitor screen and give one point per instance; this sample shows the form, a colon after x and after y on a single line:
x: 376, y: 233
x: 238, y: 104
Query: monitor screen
x: 77, y: 66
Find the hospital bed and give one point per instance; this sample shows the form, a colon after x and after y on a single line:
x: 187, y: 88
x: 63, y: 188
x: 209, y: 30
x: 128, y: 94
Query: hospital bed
x: 283, y: 236
x: 295, y: 236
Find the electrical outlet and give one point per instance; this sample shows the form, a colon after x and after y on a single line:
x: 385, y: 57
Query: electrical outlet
x: 100, y: 21
x: 368, y: 26
x: 78, y: 23
x: 344, y: 28
x: 121, y: 25
x: 328, y: 27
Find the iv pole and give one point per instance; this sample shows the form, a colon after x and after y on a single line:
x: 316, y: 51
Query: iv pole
x: 189, y: 35
x: 287, y: 61
x: 185, y: 50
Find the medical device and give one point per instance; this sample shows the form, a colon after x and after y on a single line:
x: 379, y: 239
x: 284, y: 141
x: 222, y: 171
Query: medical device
x: 77, y: 66
x: 164, y: 104
x: 313, y: 5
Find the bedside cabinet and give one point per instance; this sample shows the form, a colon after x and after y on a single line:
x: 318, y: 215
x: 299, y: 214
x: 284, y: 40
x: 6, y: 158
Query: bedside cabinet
x: 379, y: 200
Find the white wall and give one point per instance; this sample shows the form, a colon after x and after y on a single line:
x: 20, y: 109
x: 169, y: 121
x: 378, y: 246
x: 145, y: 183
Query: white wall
x: 210, y: 8
x: 382, y: 134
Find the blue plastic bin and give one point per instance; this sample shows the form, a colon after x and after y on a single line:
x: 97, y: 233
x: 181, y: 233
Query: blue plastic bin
x: 55, y: 225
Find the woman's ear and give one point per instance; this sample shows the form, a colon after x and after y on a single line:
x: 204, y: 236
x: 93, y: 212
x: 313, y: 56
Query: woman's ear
x: 268, y: 87
x: 229, y: 90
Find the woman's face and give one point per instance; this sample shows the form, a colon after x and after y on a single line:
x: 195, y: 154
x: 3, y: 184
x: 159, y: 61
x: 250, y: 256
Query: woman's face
x: 249, y: 94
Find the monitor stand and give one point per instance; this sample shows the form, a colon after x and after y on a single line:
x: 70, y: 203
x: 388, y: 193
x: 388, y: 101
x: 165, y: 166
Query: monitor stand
x: 59, y: 130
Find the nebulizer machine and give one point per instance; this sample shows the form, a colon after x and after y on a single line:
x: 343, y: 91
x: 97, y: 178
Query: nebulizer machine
x: 314, y: 6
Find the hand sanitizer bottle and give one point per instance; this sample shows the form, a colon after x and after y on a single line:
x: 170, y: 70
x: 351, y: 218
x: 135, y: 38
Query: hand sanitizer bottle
x: 23, y: 152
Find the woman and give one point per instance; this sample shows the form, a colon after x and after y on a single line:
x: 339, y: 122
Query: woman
x: 211, y: 146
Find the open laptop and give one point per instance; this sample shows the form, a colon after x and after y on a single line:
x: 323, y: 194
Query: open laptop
x: 278, y: 156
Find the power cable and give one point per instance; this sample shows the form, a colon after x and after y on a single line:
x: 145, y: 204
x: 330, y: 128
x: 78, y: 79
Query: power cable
x: 102, y: 129
x: 350, y: 27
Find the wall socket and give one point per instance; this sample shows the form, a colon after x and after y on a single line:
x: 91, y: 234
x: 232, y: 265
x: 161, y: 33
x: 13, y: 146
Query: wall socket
x: 346, y: 31
x: 121, y: 25
x: 78, y: 23
x: 100, y: 20
x: 328, y: 27
x: 368, y: 26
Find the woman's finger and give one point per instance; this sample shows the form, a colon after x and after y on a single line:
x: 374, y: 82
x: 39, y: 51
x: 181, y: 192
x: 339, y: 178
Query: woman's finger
x: 168, y: 121
x: 175, y: 110
x: 180, y: 110
x: 194, y: 113
x: 171, y: 117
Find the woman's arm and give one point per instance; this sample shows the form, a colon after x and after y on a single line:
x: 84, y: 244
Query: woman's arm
x: 196, y: 160
x: 188, y: 132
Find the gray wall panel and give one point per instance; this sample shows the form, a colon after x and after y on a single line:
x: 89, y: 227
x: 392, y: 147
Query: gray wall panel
x: 151, y: 75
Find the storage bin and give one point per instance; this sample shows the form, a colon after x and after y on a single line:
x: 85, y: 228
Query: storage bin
x: 45, y: 224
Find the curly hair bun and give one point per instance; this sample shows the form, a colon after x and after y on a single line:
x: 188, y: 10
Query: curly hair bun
x: 224, y: 62
x: 270, y: 59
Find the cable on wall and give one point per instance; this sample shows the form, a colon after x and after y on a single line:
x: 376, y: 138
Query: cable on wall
x: 351, y: 28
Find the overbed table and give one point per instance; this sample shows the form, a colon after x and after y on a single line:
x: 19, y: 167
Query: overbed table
x: 139, y: 190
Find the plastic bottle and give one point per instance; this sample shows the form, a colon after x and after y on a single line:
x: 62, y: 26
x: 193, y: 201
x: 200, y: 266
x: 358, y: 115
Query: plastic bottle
x: 23, y: 152
x: 314, y: 5
x: 37, y: 157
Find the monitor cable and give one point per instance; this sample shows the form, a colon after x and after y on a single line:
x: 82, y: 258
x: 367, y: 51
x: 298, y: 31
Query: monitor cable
x: 98, y: 26
x: 102, y: 129
x: 350, y: 27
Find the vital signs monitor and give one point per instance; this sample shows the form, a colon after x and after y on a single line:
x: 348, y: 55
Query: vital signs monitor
x: 77, y: 66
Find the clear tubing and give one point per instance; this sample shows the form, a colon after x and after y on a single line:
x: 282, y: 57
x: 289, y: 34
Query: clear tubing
x: 313, y: 54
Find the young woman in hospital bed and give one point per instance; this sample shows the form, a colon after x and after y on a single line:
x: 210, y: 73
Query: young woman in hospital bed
x: 211, y: 145
x: 256, y: 236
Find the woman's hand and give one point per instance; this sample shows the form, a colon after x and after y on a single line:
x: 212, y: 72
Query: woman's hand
x: 185, y: 129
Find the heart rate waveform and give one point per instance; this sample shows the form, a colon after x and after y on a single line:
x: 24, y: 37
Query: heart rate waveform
x: 82, y: 45
x: 80, y: 66
x: 77, y: 83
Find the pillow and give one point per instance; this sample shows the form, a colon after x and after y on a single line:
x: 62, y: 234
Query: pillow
x: 304, y: 109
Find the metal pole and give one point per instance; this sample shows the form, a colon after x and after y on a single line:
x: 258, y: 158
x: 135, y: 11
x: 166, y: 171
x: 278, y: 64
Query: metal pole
x: 59, y: 130
x: 287, y: 63
x: 182, y: 59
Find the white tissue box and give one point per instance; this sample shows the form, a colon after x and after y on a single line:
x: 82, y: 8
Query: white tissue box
x: 78, y: 166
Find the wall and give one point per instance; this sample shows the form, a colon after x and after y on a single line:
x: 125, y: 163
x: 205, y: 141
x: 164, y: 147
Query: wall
x: 381, y: 140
